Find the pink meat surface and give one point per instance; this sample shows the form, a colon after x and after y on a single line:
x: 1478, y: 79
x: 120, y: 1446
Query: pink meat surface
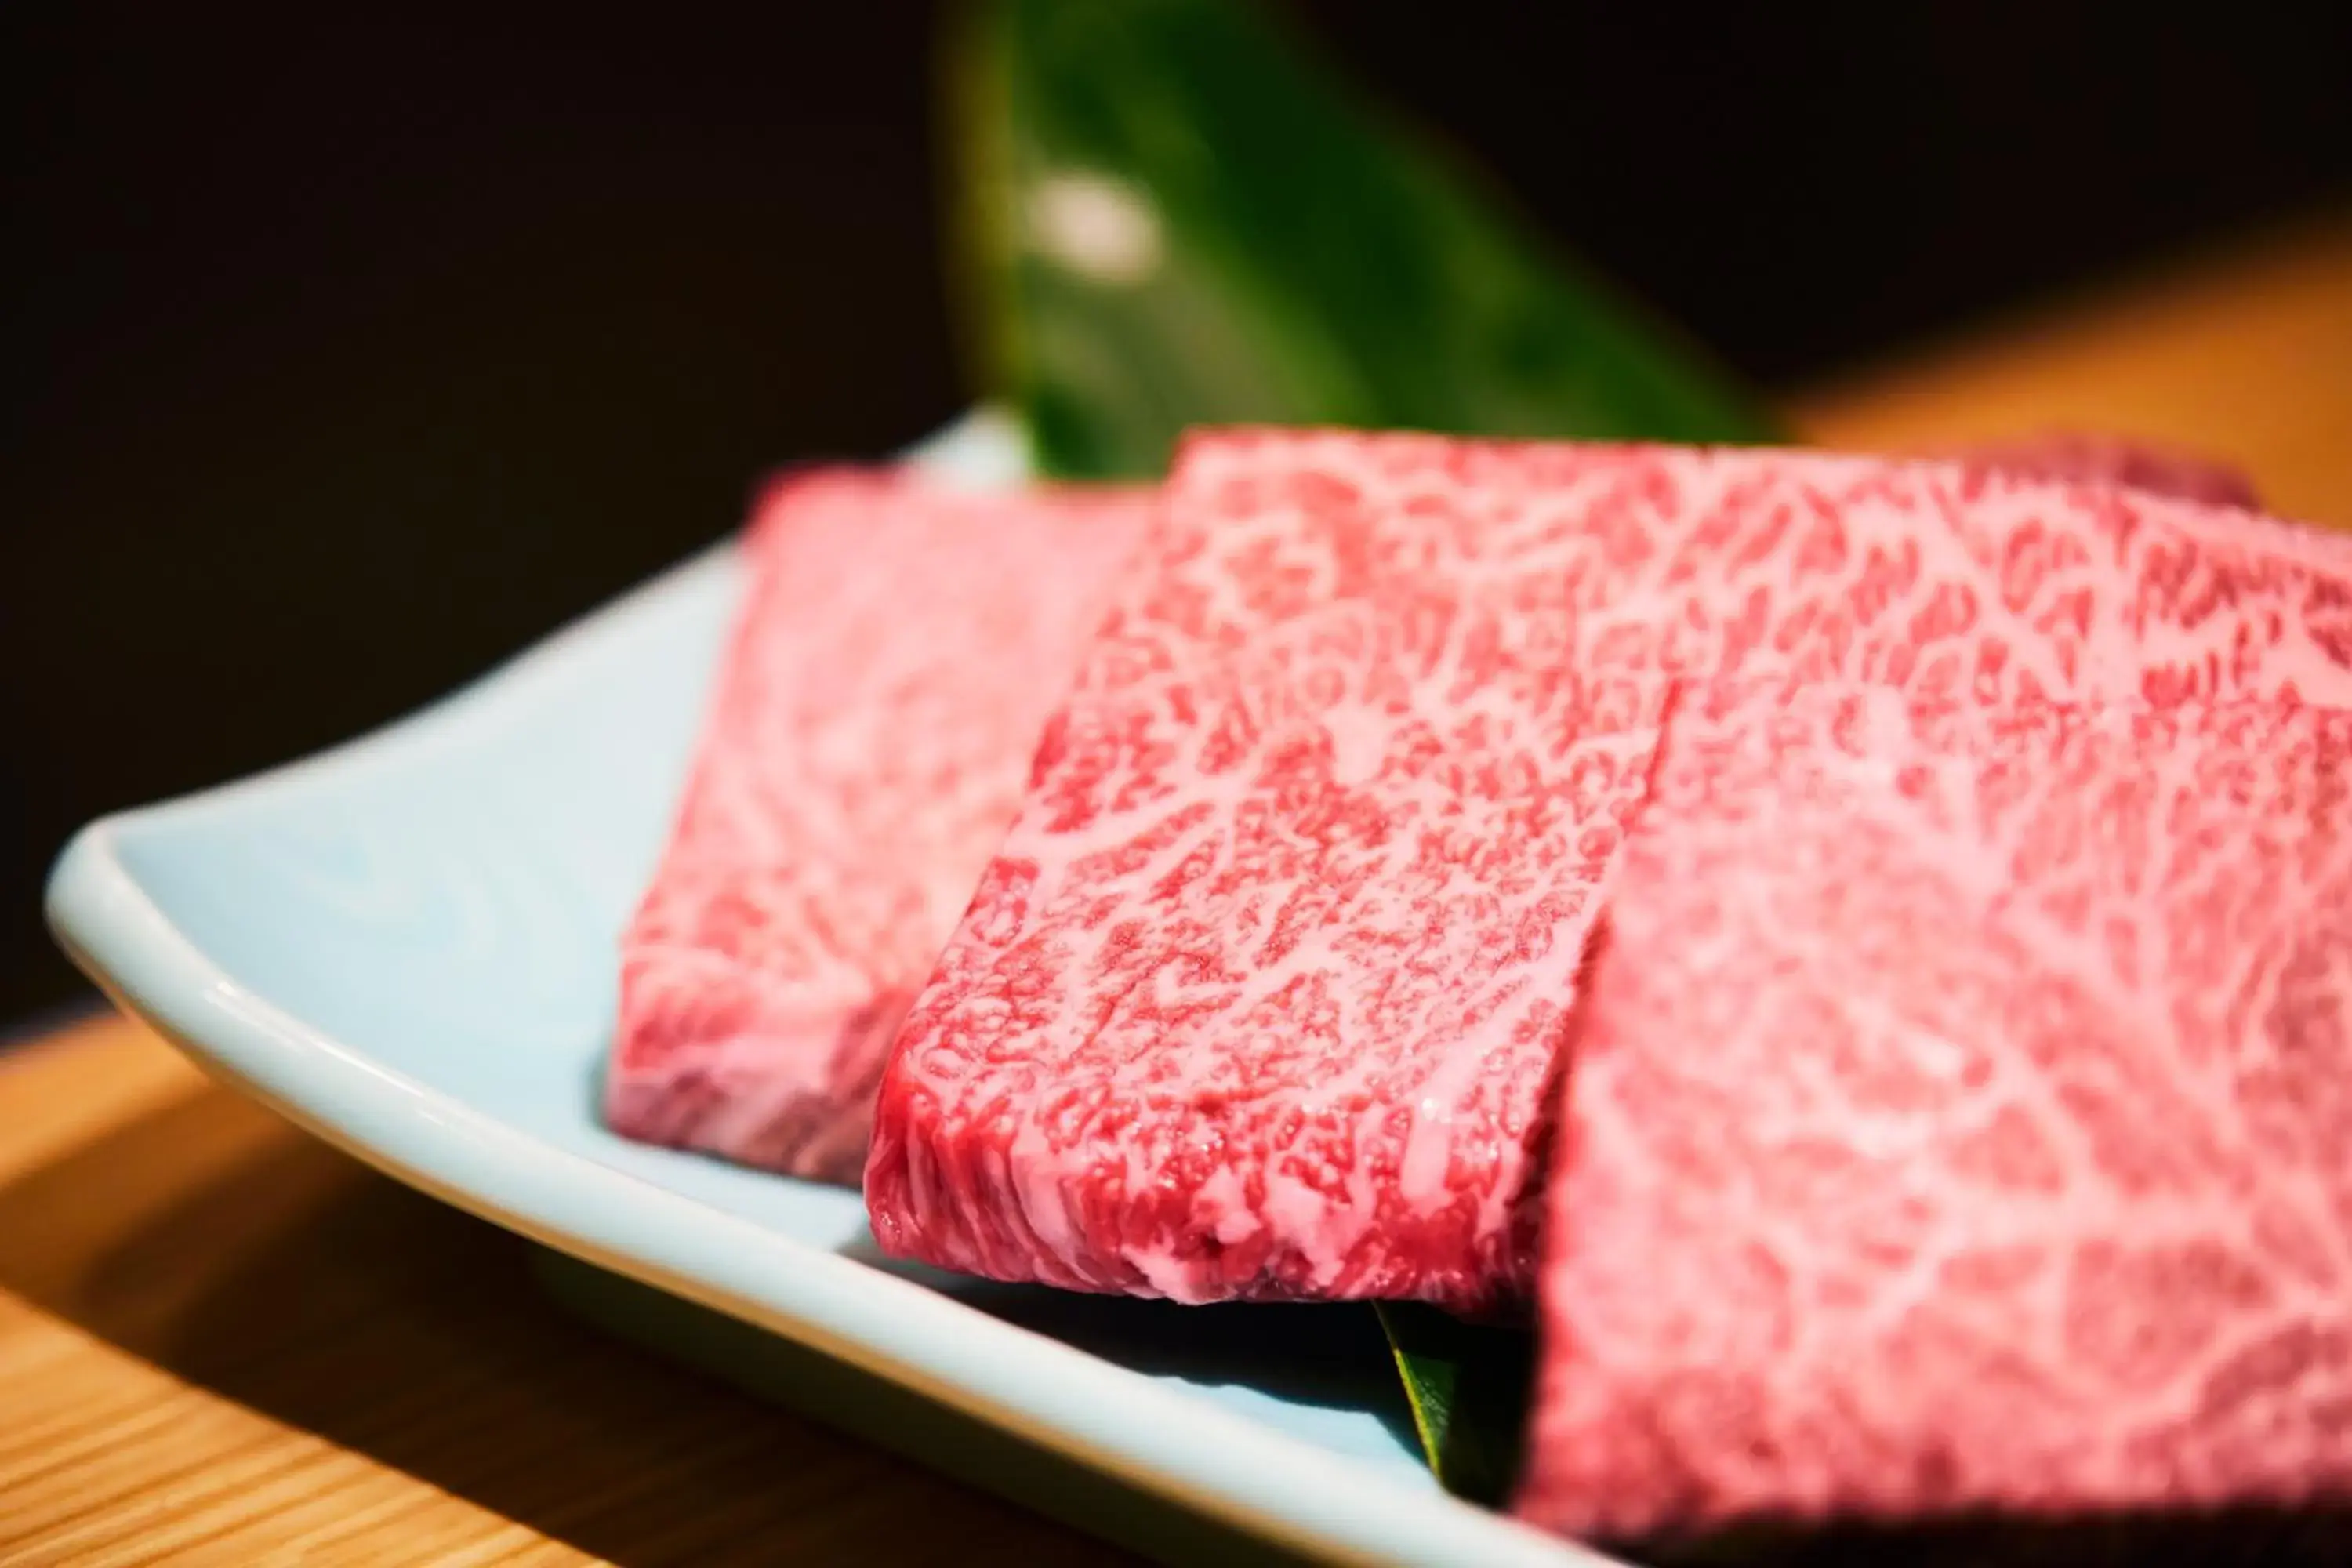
x: 1958, y: 1121
x: 898, y: 648
x: 1262, y: 995
x: 1956, y: 581
x: 2075, y: 457
x: 1259, y: 996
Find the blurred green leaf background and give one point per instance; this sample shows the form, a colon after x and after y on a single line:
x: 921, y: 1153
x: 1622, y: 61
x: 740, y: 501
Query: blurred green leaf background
x: 1174, y: 212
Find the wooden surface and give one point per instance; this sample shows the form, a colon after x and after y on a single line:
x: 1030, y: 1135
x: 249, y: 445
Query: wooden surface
x: 2245, y: 354
x: 222, y: 1342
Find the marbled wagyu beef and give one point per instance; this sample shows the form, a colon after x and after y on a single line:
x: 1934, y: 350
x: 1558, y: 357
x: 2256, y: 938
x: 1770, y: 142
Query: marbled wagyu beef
x: 1958, y: 1121
x: 898, y: 648
x: 1258, y: 998
x: 2080, y: 457
x: 1261, y: 996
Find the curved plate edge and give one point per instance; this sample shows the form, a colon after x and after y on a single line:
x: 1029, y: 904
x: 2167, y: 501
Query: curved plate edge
x: 1209, y: 1460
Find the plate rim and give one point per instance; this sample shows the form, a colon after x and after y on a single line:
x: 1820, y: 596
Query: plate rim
x: 1217, y: 1462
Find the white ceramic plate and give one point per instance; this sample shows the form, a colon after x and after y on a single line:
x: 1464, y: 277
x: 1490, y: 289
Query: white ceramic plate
x: 408, y: 946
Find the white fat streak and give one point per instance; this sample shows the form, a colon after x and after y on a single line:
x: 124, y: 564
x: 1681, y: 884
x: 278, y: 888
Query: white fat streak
x: 1167, y: 1274
x: 1040, y: 1176
x: 1304, y: 1216
x: 1222, y: 1207
x: 1358, y: 744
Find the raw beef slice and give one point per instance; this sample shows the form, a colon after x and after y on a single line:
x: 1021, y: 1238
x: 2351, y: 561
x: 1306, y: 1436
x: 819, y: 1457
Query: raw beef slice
x: 1957, y: 582
x: 899, y: 646
x: 1260, y: 996
x: 1958, y: 1121
x: 2075, y: 457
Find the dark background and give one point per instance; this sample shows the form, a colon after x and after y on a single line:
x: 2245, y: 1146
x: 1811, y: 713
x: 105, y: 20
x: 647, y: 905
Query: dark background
x: 347, y: 353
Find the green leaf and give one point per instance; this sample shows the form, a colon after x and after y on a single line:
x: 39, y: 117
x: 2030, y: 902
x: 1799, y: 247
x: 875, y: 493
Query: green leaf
x: 1469, y: 1385
x: 1170, y: 213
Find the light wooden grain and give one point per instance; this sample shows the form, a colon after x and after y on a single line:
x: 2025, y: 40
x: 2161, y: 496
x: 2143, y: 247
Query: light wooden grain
x: 221, y: 1343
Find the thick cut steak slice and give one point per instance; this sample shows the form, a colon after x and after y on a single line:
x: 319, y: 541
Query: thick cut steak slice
x: 1957, y: 1120
x: 899, y: 646
x: 1261, y: 995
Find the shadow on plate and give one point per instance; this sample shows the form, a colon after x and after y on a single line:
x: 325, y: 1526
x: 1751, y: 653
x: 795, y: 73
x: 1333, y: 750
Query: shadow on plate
x: 787, y: 1374
x: 1332, y: 1355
